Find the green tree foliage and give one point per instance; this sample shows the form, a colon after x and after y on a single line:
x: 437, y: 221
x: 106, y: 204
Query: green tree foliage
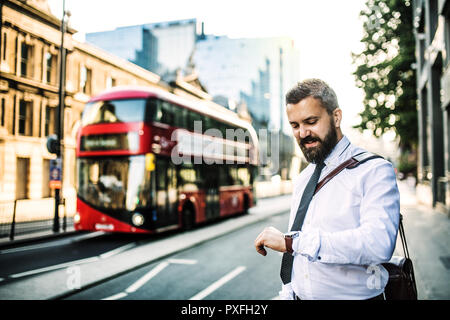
x: 384, y: 70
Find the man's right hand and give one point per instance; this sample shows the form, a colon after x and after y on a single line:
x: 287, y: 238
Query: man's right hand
x: 272, y: 238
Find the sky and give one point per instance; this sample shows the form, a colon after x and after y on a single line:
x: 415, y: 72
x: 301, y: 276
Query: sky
x: 325, y: 31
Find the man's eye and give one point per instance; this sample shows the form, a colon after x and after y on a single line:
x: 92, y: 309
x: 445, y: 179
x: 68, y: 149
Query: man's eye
x: 311, y: 122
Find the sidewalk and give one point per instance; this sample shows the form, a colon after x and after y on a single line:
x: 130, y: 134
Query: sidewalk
x: 36, y: 236
x: 428, y: 237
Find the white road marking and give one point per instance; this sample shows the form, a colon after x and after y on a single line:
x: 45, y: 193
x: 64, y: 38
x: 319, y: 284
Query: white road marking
x: 149, y: 275
x: 55, y: 267
x: 135, y: 286
x: 116, y: 296
x: 182, y: 261
x: 216, y: 285
x: 117, y: 250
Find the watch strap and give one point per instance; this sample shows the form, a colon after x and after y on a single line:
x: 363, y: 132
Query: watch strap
x: 288, y: 241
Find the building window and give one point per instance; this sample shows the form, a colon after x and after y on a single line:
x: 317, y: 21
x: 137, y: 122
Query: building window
x: 40, y: 121
x: 46, y: 191
x: 85, y: 80
x: 433, y: 18
x: 110, y: 82
x: 13, y: 129
x: 49, y: 120
x: 4, y: 46
x: 50, y: 63
x: 447, y: 37
x: 22, y: 178
x: 26, y: 66
x: 25, y: 118
x: 2, y: 113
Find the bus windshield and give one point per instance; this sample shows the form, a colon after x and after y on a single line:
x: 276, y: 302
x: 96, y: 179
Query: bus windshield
x: 126, y: 110
x: 116, y: 184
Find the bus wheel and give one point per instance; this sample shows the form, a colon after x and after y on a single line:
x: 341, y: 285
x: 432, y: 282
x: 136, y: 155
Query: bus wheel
x: 188, y: 218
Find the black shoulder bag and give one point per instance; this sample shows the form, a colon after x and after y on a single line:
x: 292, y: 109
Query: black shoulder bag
x: 401, y: 284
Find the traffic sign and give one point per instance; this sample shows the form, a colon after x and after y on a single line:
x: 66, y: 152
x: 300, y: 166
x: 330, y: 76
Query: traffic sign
x: 55, y: 173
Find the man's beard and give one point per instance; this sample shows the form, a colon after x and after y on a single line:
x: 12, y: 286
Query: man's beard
x: 320, y: 152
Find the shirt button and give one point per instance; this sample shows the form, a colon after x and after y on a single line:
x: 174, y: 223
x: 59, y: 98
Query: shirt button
x: 306, y: 276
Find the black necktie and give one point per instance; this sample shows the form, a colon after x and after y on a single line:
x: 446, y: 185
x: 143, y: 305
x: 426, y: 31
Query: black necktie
x: 288, y: 258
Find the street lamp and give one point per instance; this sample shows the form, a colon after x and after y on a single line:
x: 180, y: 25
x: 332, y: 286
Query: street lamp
x: 60, y: 116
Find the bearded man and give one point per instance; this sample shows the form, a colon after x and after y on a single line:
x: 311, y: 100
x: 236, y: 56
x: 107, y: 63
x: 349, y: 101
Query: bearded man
x: 349, y: 227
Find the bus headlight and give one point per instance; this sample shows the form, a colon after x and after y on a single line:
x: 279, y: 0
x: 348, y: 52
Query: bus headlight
x: 76, y: 218
x: 137, y: 219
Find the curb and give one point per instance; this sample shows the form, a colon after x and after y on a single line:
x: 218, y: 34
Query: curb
x: 32, y: 238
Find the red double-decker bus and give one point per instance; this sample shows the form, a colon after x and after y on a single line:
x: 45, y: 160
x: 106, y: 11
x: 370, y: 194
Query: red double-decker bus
x: 150, y: 161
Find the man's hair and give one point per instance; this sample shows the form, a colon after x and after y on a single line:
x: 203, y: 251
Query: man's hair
x: 315, y: 88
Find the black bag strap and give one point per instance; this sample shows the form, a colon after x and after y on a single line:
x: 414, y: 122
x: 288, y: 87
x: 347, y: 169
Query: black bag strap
x: 403, y: 237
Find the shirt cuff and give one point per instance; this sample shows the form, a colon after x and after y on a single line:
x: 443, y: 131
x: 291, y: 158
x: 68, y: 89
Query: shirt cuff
x: 286, y: 292
x: 307, y: 244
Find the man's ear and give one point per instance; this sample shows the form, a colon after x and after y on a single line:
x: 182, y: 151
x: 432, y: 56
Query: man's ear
x: 337, y: 117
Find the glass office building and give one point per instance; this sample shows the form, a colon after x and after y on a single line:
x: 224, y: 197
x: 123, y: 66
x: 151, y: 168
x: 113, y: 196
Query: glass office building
x: 161, y: 47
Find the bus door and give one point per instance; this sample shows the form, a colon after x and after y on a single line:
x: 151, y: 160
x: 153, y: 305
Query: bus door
x: 212, y: 191
x: 166, y: 193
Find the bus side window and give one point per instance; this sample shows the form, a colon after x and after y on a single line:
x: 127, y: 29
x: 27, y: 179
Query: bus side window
x: 234, y: 175
x: 200, y: 178
x: 167, y: 113
x: 151, y: 110
x: 181, y: 117
x: 207, y: 123
x: 193, y: 118
x: 243, y: 175
x: 229, y: 176
x: 223, y: 175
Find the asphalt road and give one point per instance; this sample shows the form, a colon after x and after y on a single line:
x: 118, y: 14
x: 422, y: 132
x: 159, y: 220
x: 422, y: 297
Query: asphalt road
x: 224, y: 268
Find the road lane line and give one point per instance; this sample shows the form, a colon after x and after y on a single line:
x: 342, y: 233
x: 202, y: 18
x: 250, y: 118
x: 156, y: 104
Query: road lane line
x: 117, y: 250
x: 182, y: 261
x: 116, y: 296
x: 216, y: 285
x: 135, y: 286
x: 55, y: 267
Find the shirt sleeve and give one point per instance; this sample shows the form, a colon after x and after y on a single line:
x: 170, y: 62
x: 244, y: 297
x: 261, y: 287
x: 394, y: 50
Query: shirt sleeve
x: 373, y: 242
x: 286, y: 292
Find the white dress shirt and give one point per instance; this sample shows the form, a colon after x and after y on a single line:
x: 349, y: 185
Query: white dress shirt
x: 350, y: 228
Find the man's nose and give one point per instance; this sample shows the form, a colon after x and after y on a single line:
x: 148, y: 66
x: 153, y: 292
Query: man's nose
x: 303, y: 132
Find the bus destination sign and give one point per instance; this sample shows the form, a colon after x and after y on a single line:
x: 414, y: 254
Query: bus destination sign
x: 103, y: 142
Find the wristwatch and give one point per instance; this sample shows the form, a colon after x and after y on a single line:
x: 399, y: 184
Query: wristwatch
x: 288, y: 238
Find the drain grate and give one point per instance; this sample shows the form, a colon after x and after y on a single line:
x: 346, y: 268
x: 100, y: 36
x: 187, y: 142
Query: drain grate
x: 446, y: 261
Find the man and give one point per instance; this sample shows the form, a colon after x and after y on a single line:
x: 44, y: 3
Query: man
x: 351, y: 224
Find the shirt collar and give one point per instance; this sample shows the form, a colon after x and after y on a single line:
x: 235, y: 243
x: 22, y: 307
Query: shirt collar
x: 333, y: 157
